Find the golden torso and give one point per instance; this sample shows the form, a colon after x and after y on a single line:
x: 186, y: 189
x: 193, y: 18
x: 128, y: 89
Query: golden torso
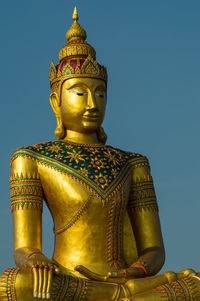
x: 90, y: 217
x: 84, y: 223
x: 89, y: 191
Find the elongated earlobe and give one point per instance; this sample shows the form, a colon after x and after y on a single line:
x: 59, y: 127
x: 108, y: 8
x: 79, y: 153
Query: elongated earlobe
x: 101, y: 135
x: 60, y: 130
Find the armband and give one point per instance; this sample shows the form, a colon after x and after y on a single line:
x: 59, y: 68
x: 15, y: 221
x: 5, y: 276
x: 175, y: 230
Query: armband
x: 143, y: 195
x: 26, y: 192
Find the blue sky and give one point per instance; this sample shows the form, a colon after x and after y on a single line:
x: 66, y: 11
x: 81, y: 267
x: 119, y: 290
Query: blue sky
x: 152, y: 51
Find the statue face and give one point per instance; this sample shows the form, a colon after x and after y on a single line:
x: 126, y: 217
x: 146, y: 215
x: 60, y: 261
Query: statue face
x: 83, y: 102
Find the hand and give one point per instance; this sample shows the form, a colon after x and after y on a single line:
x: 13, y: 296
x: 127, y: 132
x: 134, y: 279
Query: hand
x: 43, y: 269
x: 112, y: 277
x: 129, y: 273
x: 89, y: 274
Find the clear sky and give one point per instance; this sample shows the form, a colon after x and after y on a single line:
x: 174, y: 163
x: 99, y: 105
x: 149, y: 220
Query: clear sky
x: 152, y: 51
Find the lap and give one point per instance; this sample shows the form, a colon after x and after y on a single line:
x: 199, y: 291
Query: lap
x: 17, y: 284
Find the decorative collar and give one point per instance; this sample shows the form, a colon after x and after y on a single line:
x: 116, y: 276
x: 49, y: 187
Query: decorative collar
x: 101, y: 168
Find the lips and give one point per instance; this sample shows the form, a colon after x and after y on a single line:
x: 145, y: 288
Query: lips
x: 89, y: 116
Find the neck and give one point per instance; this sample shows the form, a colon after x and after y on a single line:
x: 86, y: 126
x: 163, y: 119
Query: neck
x: 83, y: 138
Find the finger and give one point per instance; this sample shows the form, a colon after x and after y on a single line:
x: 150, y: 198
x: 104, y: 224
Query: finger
x: 50, y: 278
x: 89, y: 274
x: 35, y: 281
x: 119, y: 274
x: 40, y: 270
x: 45, y: 279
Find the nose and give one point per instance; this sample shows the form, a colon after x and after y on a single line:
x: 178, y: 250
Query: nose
x: 91, y: 102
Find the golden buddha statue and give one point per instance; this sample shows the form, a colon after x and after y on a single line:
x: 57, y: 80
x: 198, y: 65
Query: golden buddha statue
x: 108, y: 241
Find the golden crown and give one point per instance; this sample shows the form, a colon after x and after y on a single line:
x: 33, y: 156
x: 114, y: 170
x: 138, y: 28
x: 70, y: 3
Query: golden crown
x: 77, y: 58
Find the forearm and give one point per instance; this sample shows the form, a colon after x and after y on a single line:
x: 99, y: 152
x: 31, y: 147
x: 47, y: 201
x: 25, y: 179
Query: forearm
x: 149, y: 241
x: 27, y: 234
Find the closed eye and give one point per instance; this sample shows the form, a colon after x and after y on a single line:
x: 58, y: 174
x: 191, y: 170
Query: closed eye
x: 78, y: 93
x: 99, y: 95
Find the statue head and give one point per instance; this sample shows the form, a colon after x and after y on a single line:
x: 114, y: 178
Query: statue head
x: 78, y: 85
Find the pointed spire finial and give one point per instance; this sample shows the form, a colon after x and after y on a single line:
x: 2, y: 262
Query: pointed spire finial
x: 75, y: 15
x: 76, y: 31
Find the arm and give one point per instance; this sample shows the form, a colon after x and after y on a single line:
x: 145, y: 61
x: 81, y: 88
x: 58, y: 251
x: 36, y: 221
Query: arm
x: 26, y: 206
x: 143, y: 213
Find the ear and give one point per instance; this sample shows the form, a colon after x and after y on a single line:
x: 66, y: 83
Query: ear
x: 54, y: 101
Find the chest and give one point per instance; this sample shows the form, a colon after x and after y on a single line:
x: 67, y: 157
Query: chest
x: 68, y: 194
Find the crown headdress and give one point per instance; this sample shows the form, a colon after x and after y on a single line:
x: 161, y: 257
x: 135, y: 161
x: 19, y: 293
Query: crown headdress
x: 77, y: 58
